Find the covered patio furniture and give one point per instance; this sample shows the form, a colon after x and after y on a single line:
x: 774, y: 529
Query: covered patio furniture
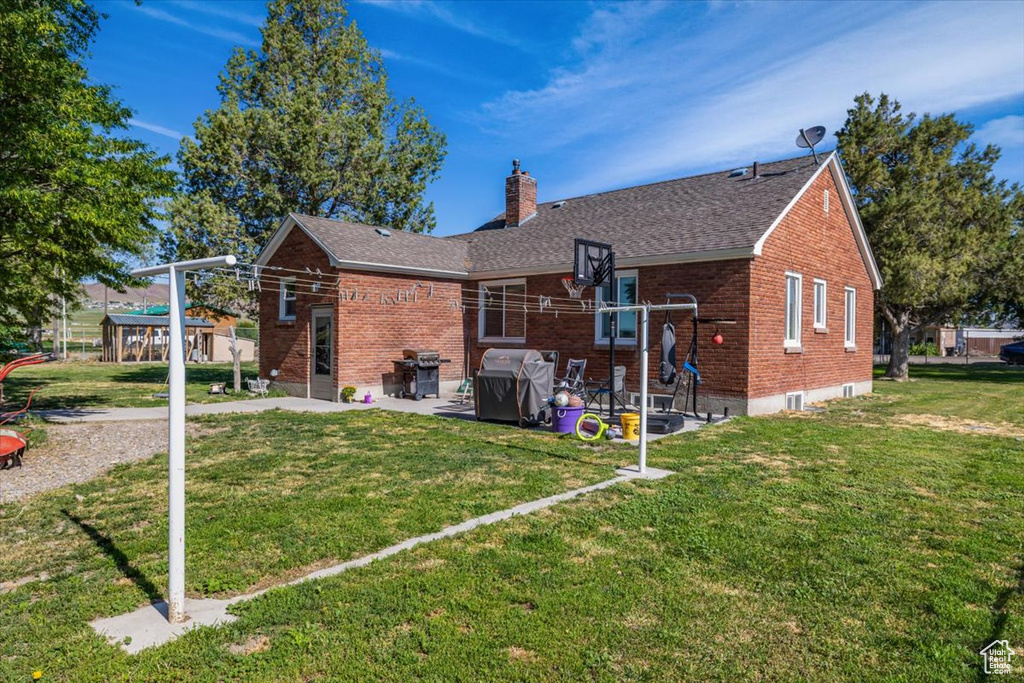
x: 513, y: 385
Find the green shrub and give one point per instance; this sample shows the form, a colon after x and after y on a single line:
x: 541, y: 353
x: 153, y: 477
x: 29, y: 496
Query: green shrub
x: 924, y: 350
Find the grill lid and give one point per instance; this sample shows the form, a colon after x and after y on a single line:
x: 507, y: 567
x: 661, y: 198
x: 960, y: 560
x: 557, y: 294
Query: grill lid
x: 422, y: 356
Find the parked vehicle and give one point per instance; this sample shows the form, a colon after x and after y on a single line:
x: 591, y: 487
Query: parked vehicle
x: 1012, y: 353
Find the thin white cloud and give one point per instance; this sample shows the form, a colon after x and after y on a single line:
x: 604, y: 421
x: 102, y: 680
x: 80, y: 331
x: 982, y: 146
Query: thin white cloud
x: 219, y: 9
x: 222, y: 34
x: 648, y: 97
x: 1006, y: 132
x: 436, y: 11
x: 154, y: 128
x: 456, y: 74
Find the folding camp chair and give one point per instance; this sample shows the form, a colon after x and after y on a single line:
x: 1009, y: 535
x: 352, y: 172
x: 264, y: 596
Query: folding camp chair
x: 573, y: 381
x: 598, y: 389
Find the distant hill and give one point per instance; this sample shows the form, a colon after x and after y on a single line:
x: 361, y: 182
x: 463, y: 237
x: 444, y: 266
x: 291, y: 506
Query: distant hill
x: 154, y: 294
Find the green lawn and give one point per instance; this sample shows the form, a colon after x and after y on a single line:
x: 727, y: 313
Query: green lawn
x: 93, y: 384
x: 859, y: 543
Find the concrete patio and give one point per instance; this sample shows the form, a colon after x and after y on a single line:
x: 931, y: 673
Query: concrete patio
x: 447, y: 406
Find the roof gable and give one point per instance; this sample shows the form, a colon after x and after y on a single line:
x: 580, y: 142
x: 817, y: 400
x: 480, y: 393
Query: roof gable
x: 363, y: 247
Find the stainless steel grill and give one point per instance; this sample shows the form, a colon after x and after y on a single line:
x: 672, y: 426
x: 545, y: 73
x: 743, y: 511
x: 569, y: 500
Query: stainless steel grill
x: 419, y: 372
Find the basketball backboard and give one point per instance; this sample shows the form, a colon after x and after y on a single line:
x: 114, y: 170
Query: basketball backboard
x: 591, y: 262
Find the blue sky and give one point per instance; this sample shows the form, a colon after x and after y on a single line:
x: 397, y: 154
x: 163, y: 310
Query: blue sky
x: 594, y: 96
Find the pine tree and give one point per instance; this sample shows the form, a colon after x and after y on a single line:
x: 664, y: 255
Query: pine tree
x: 306, y: 124
x: 944, y: 231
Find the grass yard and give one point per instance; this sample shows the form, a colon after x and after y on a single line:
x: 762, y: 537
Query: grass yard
x: 112, y: 385
x: 864, y: 542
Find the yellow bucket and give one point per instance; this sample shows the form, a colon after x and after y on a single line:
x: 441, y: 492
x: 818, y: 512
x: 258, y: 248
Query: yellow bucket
x: 630, y: 425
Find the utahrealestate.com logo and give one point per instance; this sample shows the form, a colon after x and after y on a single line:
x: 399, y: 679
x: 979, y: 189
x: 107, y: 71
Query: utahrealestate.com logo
x: 997, y: 657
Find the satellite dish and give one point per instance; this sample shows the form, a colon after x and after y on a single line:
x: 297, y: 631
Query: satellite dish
x: 809, y: 137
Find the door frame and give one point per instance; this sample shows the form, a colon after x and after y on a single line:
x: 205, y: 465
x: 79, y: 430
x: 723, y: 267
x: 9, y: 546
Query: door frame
x: 316, y: 389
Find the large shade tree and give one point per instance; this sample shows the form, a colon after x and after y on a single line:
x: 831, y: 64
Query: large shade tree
x: 945, y: 231
x: 305, y: 124
x: 78, y: 198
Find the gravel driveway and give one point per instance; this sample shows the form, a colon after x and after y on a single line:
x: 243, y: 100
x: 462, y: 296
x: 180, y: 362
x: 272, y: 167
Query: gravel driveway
x: 77, y: 452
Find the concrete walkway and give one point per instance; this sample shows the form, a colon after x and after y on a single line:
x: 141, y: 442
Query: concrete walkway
x: 148, y: 626
x: 428, y: 406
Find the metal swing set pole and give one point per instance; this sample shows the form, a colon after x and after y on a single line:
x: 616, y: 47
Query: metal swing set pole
x: 645, y: 317
x: 176, y: 423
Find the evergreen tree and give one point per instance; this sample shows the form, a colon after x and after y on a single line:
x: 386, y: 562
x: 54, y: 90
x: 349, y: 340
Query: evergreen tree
x: 944, y: 231
x: 306, y: 124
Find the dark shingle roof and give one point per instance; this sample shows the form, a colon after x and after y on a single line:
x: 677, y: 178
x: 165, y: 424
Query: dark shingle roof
x: 687, y: 216
x: 363, y: 244
x: 132, y: 320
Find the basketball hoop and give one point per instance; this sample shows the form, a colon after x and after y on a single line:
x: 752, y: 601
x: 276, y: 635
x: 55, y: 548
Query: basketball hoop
x: 575, y: 290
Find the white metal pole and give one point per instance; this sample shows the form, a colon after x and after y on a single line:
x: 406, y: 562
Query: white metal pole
x: 645, y: 315
x: 176, y: 444
x: 176, y: 424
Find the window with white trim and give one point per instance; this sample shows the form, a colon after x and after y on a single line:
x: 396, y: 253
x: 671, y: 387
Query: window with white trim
x: 795, y: 400
x: 794, y: 308
x: 503, y: 311
x: 820, y: 304
x: 849, y: 390
x: 626, y: 281
x: 287, y: 299
x: 850, y: 338
x: 824, y: 201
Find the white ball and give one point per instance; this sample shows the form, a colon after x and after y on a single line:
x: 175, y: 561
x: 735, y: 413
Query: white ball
x: 561, y: 399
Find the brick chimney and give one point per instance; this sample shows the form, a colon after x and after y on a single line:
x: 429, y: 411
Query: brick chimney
x: 520, y: 197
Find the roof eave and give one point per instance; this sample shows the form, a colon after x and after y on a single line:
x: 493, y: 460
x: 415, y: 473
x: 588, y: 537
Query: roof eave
x: 846, y: 197
x: 281, y: 233
x: 401, y: 270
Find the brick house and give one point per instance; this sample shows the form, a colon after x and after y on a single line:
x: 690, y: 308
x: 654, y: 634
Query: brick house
x: 778, y: 248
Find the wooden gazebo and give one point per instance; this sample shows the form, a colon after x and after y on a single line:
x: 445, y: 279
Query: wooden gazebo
x: 131, y: 338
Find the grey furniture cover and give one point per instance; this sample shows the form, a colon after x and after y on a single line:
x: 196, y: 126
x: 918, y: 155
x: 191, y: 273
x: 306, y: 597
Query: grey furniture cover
x: 513, y: 385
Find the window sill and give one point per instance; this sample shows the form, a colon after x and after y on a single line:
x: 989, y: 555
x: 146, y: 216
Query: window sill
x: 851, y: 349
x: 820, y: 330
x: 604, y: 343
x: 286, y: 321
x: 794, y: 349
x: 500, y: 340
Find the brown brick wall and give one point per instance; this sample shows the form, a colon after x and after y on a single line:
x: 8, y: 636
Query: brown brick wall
x: 520, y: 198
x: 721, y: 290
x: 368, y: 334
x: 816, y: 245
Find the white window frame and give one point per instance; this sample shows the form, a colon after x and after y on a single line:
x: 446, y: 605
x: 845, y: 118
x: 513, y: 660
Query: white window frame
x: 599, y: 338
x: 283, y: 298
x: 850, y: 318
x: 825, y: 201
x: 820, y: 304
x: 795, y: 395
x: 481, y: 322
x: 797, y: 341
x: 849, y: 390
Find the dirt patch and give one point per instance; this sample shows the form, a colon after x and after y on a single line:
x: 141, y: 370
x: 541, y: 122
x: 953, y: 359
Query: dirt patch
x: 8, y: 586
x: 518, y: 654
x: 250, y: 646
x: 780, y: 462
x: 960, y: 425
x: 428, y: 564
